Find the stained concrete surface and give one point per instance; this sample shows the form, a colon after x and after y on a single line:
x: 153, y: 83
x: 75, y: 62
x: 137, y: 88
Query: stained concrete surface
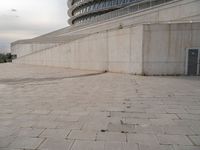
x: 48, y: 108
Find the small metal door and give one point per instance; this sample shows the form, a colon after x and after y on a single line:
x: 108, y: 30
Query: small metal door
x: 193, y: 62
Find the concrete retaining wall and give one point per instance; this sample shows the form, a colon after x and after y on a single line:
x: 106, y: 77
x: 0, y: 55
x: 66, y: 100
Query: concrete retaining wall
x: 158, y: 49
x: 165, y: 47
x: 116, y: 50
x: 25, y: 49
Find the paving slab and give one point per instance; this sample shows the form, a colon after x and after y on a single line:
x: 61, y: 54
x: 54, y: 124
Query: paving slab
x: 111, y: 136
x: 120, y: 146
x: 155, y: 147
x: 147, y: 139
x: 174, y: 139
x: 56, y: 144
x: 26, y: 143
x: 28, y: 132
x: 180, y: 147
x: 88, y: 145
x: 6, y: 141
x: 55, y: 133
x: 195, y: 139
x: 82, y: 135
x: 177, y: 130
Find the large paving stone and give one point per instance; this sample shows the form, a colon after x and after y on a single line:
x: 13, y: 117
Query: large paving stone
x: 88, y: 145
x: 53, y: 144
x: 196, y: 140
x: 147, y: 139
x: 29, y: 132
x: 6, y: 141
x: 177, y: 130
x: 111, y: 136
x: 55, y: 133
x: 174, y: 139
x: 155, y: 147
x: 120, y: 146
x: 26, y: 143
x: 178, y: 147
x: 82, y: 135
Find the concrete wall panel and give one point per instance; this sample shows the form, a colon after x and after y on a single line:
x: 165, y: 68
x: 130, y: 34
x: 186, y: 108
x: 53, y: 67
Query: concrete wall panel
x: 165, y: 47
x: 136, y: 53
x: 115, y: 50
x: 25, y: 49
x: 119, y: 50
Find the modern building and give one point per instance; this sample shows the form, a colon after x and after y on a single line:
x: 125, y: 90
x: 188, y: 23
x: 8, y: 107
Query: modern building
x: 84, y: 11
x: 145, y: 37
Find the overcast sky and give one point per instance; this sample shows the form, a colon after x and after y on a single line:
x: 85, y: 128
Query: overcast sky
x: 21, y: 19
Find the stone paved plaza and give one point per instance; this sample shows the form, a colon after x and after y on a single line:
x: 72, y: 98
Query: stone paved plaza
x: 47, y: 108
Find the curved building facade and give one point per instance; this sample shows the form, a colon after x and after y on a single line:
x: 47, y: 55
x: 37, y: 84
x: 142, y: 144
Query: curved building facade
x: 82, y: 11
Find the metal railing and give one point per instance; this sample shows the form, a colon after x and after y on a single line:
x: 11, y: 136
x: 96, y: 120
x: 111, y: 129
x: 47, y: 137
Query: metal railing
x: 133, y: 8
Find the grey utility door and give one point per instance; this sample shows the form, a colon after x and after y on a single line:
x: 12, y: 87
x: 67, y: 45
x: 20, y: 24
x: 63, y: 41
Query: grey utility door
x: 193, y: 61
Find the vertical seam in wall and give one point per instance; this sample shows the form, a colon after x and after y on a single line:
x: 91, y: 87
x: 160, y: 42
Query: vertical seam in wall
x: 191, y: 38
x: 130, y: 50
x: 107, y: 49
x: 169, y: 28
x: 142, y: 69
x: 169, y: 41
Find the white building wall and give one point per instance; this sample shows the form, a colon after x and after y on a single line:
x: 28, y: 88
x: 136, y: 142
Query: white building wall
x: 158, y: 49
x: 119, y: 48
x: 125, y: 50
x: 116, y: 50
x: 25, y: 49
x: 165, y: 47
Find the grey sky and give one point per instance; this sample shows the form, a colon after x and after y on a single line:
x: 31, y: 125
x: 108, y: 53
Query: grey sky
x: 21, y: 19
